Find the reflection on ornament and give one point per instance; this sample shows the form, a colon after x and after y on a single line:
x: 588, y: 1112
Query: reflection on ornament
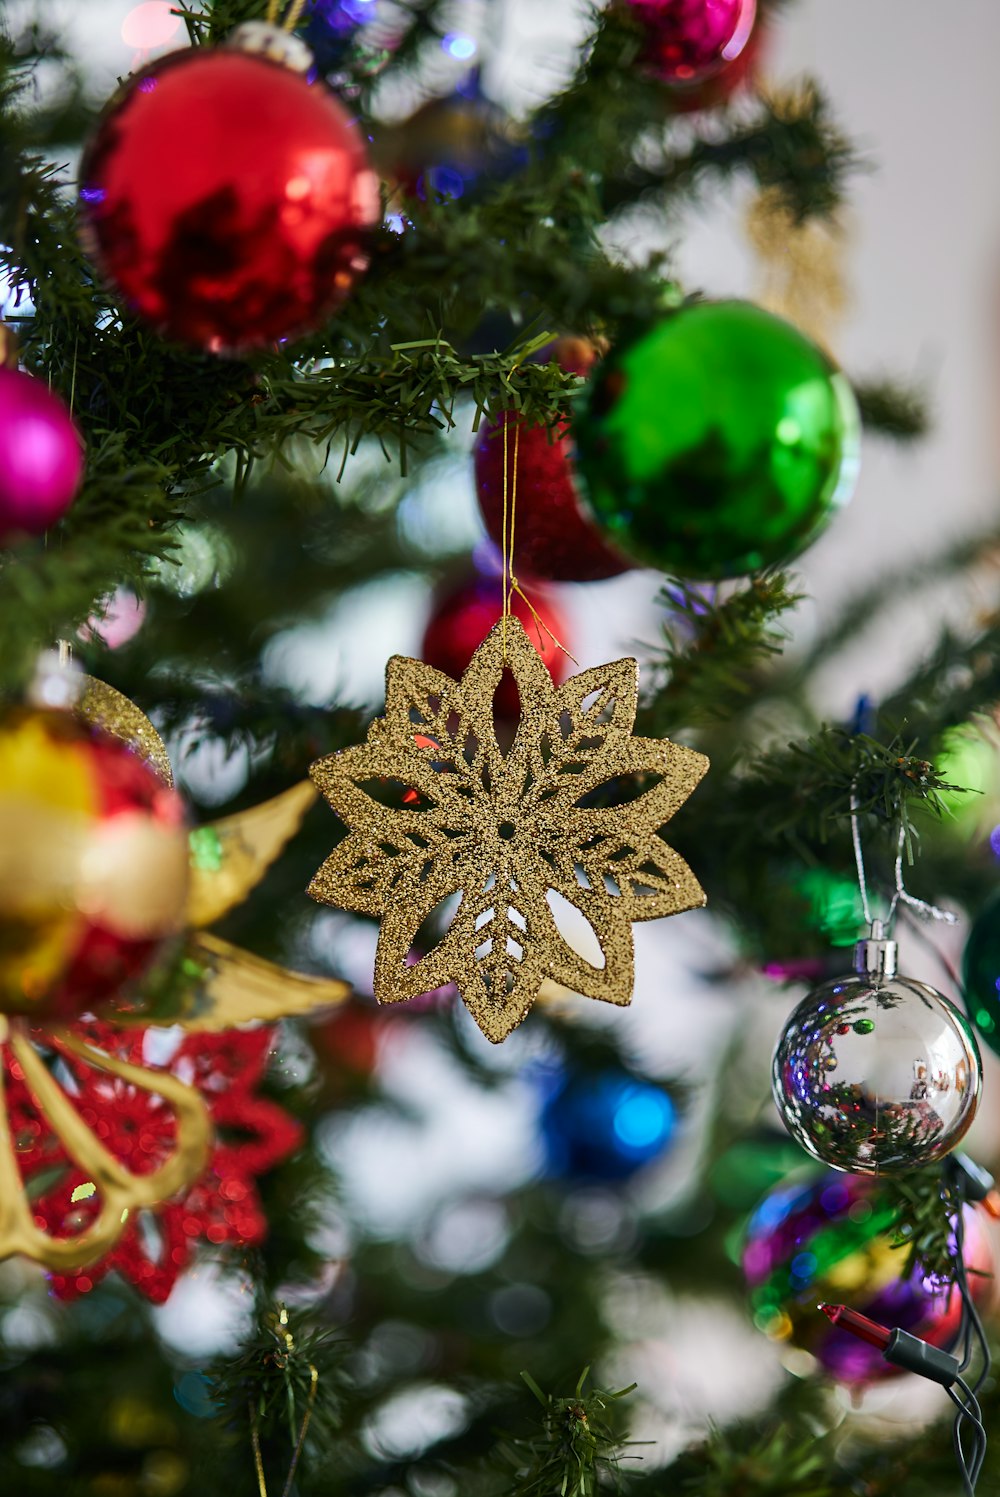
x: 252, y: 1134
x: 93, y: 865
x: 41, y: 456
x: 832, y: 1238
x: 225, y: 198
x: 717, y: 442
x: 435, y: 811
x: 876, y: 1073
x: 605, y: 1126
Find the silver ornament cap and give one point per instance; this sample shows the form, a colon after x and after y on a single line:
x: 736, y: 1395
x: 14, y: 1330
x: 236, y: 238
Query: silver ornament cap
x: 875, y: 957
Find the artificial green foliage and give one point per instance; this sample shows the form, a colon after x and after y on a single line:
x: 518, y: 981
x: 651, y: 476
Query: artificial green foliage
x: 243, y: 499
x: 579, y: 1450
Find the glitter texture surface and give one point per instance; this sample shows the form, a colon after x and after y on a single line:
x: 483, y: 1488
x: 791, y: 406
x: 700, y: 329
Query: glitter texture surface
x: 437, y: 813
x: 101, y: 706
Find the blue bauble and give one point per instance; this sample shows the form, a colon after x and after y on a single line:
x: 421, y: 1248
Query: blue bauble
x: 605, y: 1125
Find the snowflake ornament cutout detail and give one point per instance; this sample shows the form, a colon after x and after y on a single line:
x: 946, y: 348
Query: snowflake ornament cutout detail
x: 467, y: 853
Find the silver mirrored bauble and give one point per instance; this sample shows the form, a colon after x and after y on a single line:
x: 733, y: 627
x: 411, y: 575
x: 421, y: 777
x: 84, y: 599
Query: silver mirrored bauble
x: 875, y: 1073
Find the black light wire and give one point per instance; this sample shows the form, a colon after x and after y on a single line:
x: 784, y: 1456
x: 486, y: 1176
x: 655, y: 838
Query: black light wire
x: 971, y: 1334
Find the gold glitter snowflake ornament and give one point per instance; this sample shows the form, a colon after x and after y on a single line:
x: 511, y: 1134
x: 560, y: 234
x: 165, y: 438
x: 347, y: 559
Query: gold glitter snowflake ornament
x: 465, y: 851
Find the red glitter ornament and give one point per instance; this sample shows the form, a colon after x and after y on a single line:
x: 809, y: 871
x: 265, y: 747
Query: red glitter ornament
x: 553, y: 537
x: 464, y: 617
x: 690, y: 40
x: 227, y: 199
x: 137, y: 1127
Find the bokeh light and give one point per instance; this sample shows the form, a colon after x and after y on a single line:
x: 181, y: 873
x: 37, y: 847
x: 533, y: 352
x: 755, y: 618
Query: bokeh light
x: 151, y: 24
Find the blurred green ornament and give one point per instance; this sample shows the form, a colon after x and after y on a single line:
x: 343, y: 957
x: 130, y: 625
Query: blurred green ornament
x: 969, y: 759
x: 835, y: 908
x: 981, y: 973
x: 719, y: 441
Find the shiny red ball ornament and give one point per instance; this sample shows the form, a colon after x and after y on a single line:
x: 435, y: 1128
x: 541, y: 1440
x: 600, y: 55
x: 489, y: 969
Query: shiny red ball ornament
x: 227, y: 199
x: 463, y: 618
x: 222, y: 1208
x: 553, y: 536
x: 687, y: 41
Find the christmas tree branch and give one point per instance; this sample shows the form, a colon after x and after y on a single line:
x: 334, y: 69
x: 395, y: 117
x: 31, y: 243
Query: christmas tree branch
x: 712, y: 648
x: 578, y: 1450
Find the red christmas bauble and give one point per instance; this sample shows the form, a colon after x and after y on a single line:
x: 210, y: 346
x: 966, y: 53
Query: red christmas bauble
x: 690, y: 40
x: 553, y: 537
x: 462, y: 620
x: 227, y: 199
x: 94, y: 865
x: 222, y: 1207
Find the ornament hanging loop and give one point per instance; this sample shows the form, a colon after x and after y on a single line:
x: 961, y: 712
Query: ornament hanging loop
x: 859, y: 860
x: 901, y: 895
x: 292, y: 16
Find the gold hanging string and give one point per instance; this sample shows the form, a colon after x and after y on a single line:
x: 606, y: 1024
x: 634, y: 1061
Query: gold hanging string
x: 292, y: 16
x: 258, y: 1459
x: 279, y: 1327
x: 300, y: 1442
x: 511, y: 585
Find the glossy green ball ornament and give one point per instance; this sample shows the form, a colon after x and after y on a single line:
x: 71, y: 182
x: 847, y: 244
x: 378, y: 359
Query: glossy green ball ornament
x: 981, y: 973
x: 719, y: 441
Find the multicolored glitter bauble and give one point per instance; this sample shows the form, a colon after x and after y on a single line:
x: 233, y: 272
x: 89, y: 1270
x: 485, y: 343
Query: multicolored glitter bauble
x: 719, y: 441
x: 225, y: 197
x: 832, y: 1239
x: 93, y: 865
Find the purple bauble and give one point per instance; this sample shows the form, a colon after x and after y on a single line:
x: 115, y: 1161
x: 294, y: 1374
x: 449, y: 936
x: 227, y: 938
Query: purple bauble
x: 41, y: 456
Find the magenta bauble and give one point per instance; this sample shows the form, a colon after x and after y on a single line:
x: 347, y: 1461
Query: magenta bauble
x: 41, y: 456
x: 687, y: 41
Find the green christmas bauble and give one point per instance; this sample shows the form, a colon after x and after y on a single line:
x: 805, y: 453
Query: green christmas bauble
x: 719, y: 441
x: 981, y: 973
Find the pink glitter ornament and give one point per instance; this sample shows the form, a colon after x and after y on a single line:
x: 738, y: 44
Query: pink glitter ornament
x: 41, y: 456
x: 689, y: 40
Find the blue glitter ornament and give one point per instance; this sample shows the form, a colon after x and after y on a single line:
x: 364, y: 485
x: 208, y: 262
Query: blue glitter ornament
x: 605, y: 1125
